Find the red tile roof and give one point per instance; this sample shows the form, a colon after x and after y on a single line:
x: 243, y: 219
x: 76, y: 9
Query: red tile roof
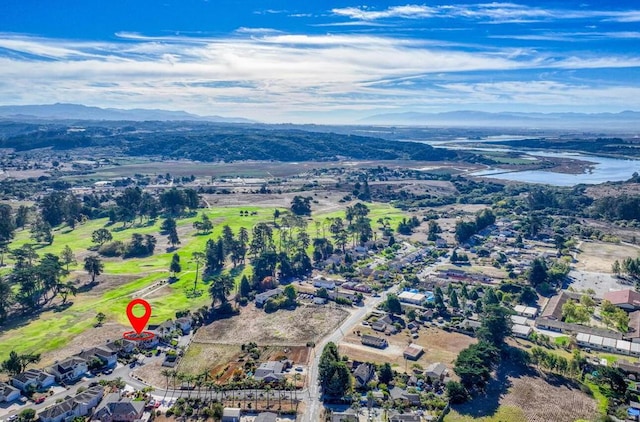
x: 622, y: 297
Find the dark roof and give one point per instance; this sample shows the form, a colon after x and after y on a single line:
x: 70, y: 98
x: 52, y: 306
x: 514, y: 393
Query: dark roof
x: 373, y: 341
x: 364, y: 373
x: 266, y: 417
x: 119, y: 407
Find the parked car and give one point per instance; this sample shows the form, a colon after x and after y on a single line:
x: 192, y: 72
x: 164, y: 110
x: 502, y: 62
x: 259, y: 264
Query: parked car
x: 39, y: 399
x: 108, y: 371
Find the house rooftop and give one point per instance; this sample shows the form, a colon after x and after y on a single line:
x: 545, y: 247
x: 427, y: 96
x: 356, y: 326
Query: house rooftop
x: 624, y: 297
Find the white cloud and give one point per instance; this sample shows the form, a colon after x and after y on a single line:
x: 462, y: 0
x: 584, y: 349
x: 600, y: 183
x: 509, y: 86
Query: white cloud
x: 272, y: 76
x: 409, y: 11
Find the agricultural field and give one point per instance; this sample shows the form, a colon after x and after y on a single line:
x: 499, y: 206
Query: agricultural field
x: 598, y: 256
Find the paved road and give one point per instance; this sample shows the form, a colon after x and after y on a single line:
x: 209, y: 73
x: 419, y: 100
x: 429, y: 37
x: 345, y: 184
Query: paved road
x: 314, y: 397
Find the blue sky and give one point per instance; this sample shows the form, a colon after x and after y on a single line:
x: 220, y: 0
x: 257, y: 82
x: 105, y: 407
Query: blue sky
x: 321, y: 61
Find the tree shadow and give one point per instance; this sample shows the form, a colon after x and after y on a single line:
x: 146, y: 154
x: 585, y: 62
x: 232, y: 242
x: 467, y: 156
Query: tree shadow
x: 87, y: 287
x: 234, y: 272
x: 63, y: 306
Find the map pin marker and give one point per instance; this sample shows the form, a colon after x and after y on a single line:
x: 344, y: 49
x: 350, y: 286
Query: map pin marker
x: 139, y: 323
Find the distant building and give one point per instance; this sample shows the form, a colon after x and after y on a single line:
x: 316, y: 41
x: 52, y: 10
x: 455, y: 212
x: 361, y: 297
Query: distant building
x: 33, y: 380
x: 553, y: 310
x: 413, y: 298
x: 8, y: 393
x: 364, y: 374
x: 522, y: 331
x: 69, y: 370
x: 413, y: 351
x: 262, y: 298
x: 115, y: 408
x: 373, y: 341
x: 436, y: 371
x: 526, y: 311
x: 348, y: 415
x: 104, y: 354
x: 231, y: 414
x: 629, y: 300
x: 266, y: 417
x: 73, y: 407
x: 269, y: 371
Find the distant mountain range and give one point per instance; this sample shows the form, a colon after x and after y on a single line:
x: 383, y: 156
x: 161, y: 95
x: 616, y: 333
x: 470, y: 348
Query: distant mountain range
x: 61, y: 111
x: 626, y: 120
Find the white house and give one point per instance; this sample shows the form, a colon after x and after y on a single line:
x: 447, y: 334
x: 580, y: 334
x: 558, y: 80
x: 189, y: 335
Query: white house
x: 413, y: 298
x: 184, y: 324
x: 263, y: 297
x: 71, y: 408
x: 33, y: 379
x: 320, y: 282
x: 69, y: 370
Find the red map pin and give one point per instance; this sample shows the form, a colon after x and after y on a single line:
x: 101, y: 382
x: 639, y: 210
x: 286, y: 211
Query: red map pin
x: 139, y: 323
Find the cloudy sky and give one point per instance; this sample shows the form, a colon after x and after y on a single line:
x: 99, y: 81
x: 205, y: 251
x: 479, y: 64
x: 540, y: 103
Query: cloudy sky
x: 321, y: 61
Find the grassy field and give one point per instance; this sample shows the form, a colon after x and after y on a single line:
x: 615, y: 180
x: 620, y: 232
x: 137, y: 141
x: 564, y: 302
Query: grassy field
x: 504, y: 413
x: 125, y: 279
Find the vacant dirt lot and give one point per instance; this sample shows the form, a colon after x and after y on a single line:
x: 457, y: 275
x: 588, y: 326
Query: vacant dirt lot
x: 284, y: 327
x: 439, y: 346
x: 598, y: 256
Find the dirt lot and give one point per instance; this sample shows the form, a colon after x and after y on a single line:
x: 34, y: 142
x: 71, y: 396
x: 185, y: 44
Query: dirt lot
x: 598, y: 256
x: 540, y: 398
x: 439, y: 346
x: 284, y: 327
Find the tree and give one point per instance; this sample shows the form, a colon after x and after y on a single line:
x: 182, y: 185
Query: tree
x: 17, y: 363
x: 41, y: 231
x: 66, y: 289
x: 393, y: 304
x: 67, y: 257
x: 290, y: 293
x: 27, y: 415
x: 100, y: 318
x: 199, y: 259
x: 6, y: 298
x: 22, y: 216
x: 333, y: 374
x: 537, y: 274
x: 433, y: 231
x: 7, y: 224
x: 496, y: 325
x: 172, y: 236
x: 101, y: 236
x: 245, y: 287
x: 473, y: 364
x: 615, y: 268
x: 175, y: 266
x: 453, y: 300
x: 456, y: 392
x: 301, y: 205
x: 204, y: 225
x: 221, y: 286
x: 385, y: 373
x: 94, y: 266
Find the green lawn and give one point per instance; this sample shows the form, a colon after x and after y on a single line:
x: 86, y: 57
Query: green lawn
x: 52, y: 330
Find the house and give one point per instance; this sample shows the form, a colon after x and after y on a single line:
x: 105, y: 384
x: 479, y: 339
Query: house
x: 121, y: 346
x: 163, y: 331
x: 629, y: 300
x: 115, y: 408
x: 8, y: 393
x: 364, y: 373
x: 262, y: 298
x: 33, y: 379
x: 397, y: 393
x: 73, y: 407
x: 149, y: 343
x: 412, y: 297
x: 105, y: 355
x: 517, y: 319
x: 348, y: 415
x: 403, y: 417
x: 231, y: 414
x: 184, y: 324
x: 521, y: 331
x: 69, y: 370
x: 384, y: 324
x: 320, y: 282
x: 526, y: 311
x: 373, y: 341
x: 436, y: 371
x: 553, y: 310
x: 266, y: 417
x: 413, y: 351
x: 269, y: 371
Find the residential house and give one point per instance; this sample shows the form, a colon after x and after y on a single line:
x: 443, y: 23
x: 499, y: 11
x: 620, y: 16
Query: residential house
x: 163, y: 331
x: 373, y: 341
x: 634, y: 327
x: 384, y: 324
x: 115, y: 408
x: 526, y: 311
x: 521, y: 331
x: 121, y: 346
x: 69, y: 370
x: 364, y: 374
x: 8, y: 393
x: 184, y: 324
x: 266, y: 417
x: 33, y: 380
x: 412, y: 297
x: 348, y: 415
x: 262, y: 298
x: 73, y: 407
x: 269, y: 371
x: 629, y: 300
x: 397, y: 393
x: 404, y: 417
x: 436, y: 371
x: 413, y: 351
x: 231, y: 414
x: 105, y: 355
x: 320, y: 282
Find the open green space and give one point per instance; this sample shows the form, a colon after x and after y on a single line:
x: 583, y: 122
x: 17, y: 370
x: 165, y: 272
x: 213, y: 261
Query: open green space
x: 124, y: 279
x: 504, y: 413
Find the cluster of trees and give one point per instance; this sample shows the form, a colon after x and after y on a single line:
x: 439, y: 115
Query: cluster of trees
x: 540, y: 276
x: 475, y: 363
x: 622, y: 207
x: 17, y: 363
x: 629, y: 266
x: 134, y: 203
x: 406, y: 226
x: 334, y: 376
x: 139, y: 246
x: 301, y: 205
x: 579, y: 313
x: 614, y: 316
x: 466, y: 229
x: 433, y: 231
x: 286, y: 300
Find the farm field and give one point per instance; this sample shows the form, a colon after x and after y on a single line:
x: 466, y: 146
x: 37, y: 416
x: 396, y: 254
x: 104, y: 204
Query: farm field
x: 598, y: 256
x: 54, y: 328
x: 528, y: 397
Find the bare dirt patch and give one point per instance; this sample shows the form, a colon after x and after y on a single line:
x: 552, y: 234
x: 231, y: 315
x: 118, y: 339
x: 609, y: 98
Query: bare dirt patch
x: 598, y: 256
x: 284, y: 327
x: 439, y: 346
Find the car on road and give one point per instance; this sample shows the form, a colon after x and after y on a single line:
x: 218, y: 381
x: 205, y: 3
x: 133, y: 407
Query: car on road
x: 12, y: 418
x: 39, y: 400
x: 132, y: 364
x: 108, y: 371
x: 298, y: 368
